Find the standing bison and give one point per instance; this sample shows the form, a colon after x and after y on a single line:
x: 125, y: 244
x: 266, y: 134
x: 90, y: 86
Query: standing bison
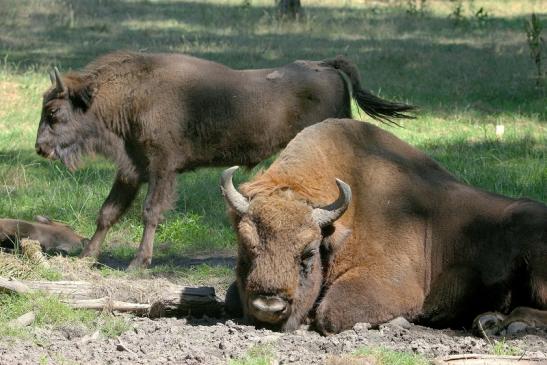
x: 157, y: 115
x: 413, y: 241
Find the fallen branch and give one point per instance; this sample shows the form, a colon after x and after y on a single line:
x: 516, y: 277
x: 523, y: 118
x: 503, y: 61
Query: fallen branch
x: 482, y: 359
x: 24, y: 320
x: 108, y: 304
x: 153, y: 298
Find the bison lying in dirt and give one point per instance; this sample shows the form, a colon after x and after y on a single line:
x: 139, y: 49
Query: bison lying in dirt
x: 157, y: 115
x: 414, y: 241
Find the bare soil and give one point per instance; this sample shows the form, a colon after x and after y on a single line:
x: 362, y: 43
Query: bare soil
x: 215, y: 341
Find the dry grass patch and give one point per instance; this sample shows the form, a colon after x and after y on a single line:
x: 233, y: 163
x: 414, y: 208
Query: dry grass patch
x: 10, y: 96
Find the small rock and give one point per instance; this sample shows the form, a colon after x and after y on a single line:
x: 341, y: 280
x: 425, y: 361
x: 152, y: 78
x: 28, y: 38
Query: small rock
x: 400, y: 322
x: 361, y: 327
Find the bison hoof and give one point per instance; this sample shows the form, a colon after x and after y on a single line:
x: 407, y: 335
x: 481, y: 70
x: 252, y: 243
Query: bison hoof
x: 87, y: 252
x: 139, y: 263
x: 487, y: 324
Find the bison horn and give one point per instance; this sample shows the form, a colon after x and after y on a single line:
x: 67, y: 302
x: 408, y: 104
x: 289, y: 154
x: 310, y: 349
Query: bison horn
x: 234, y: 198
x: 58, y: 80
x: 328, y: 214
x: 52, y: 77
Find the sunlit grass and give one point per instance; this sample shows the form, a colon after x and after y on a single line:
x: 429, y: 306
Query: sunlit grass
x: 52, y: 313
x: 465, y: 79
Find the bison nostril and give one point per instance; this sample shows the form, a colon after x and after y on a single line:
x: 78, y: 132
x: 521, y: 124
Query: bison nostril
x: 269, y: 304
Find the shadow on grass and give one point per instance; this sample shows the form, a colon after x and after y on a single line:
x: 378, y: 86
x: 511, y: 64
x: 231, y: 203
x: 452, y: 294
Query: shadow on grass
x: 426, y: 60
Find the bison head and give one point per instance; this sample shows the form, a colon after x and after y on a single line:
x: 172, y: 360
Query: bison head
x: 65, y: 131
x: 281, y: 243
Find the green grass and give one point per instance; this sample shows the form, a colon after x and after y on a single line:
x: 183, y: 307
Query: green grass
x: 465, y: 81
x: 502, y: 348
x: 257, y: 355
x: 385, y: 356
x: 465, y: 78
x: 52, y: 313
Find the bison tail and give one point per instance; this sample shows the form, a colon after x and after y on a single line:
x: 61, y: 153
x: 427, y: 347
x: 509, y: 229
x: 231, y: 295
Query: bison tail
x: 377, y: 108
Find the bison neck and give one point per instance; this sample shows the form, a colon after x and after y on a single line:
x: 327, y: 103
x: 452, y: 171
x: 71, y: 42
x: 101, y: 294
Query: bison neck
x: 127, y: 157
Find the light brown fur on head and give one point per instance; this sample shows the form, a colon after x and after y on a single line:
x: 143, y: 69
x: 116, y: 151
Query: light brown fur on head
x: 414, y: 241
x: 272, y: 238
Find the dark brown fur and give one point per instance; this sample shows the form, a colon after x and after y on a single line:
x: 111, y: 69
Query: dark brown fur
x: 53, y: 236
x: 414, y: 242
x: 159, y: 114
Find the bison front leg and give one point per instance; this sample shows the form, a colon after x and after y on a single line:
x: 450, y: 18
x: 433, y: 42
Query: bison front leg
x: 362, y: 296
x: 121, y: 196
x: 159, y: 197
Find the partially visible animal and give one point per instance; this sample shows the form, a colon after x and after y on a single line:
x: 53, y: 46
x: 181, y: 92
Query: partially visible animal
x: 157, y: 115
x: 351, y: 224
x: 519, y: 320
x: 54, y: 237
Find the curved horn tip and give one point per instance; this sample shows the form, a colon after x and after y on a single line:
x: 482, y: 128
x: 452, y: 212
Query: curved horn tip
x: 344, y: 189
x: 227, y: 174
x: 58, y: 79
x: 330, y: 213
x: 233, y: 197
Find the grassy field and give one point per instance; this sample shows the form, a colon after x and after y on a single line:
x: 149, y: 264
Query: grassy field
x: 467, y: 74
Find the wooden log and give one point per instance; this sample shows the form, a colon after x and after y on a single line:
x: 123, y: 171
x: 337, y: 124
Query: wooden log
x: 172, y: 300
x: 14, y: 286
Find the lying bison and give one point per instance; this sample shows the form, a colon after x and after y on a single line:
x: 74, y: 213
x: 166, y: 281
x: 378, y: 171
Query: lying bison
x: 157, y: 115
x: 54, y: 237
x: 414, y: 241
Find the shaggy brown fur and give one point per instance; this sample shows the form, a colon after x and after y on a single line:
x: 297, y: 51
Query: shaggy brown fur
x: 414, y: 242
x: 159, y: 114
x: 53, y: 236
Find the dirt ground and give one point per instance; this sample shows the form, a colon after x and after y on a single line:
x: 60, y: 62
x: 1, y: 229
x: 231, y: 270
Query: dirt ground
x: 215, y: 341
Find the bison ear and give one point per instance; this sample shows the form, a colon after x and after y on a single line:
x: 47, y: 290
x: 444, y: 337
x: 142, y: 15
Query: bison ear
x: 42, y: 219
x: 81, y: 95
x: 334, y: 237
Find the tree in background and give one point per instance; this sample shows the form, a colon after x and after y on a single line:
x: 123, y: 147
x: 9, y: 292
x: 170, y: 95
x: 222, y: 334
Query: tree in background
x: 289, y: 8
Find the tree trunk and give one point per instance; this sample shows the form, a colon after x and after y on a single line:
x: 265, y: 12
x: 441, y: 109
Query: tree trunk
x: 289, y: 8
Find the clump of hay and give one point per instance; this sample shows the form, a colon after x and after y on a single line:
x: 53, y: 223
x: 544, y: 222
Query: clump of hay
x: 74, y: 268
x: 9, y: 94
x: 30, y: 263
x: 16, y: 266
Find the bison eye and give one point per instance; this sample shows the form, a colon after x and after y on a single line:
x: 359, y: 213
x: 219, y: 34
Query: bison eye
x: 306, y: 260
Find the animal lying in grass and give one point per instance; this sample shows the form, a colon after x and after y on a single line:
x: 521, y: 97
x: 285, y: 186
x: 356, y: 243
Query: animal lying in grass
x: 54, y: 237
x: 157, y: 115
x: 397, y: 235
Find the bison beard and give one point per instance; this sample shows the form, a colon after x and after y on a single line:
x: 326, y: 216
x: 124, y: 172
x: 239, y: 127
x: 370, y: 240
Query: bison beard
x: 413, y: 242
x: 157, y: 115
